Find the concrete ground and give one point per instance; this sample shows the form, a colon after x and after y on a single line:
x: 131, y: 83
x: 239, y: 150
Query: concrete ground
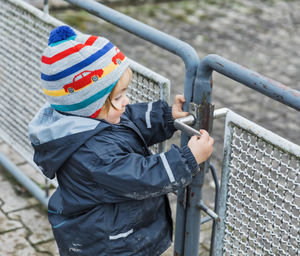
x: 262, y: 35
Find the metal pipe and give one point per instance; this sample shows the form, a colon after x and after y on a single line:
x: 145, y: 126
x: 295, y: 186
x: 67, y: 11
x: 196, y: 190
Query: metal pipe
x: 221, y: 112
x: 183, y: 125
x: 24, y: 180
x: 254, y: 80
x: 202, y: 96
x: 208, y: 211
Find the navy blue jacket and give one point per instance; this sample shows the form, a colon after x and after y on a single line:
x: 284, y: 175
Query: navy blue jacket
x: 111, y: 198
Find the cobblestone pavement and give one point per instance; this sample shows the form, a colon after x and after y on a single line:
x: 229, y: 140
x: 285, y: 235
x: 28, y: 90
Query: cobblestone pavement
x: 262, y: 35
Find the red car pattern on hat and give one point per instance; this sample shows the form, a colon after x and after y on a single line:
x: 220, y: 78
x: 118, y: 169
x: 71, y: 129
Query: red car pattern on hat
x: 118, y: 57
x: 83, y: 79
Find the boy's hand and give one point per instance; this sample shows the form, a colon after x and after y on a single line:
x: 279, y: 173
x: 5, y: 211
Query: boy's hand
x: 202, y: 146
x: 177, y: 111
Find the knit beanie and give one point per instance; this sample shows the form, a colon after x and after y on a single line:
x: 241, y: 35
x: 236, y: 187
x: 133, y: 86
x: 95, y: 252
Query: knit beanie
x: 79, y: 71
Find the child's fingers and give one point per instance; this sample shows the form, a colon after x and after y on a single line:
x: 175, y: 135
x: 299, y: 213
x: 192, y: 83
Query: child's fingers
x: 204, y: 135
x: 182, y: 114
x: 179, y: 98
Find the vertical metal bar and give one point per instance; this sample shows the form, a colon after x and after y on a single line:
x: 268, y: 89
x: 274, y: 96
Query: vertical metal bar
x: 217, y: 191
x: 202, y: 97
x: 180, y: 223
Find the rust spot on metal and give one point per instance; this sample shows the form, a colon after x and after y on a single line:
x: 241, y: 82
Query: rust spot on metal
x: 278, y: 84
x: 265, y: 86
x: 192, y: 194
x: 297, y: 94
x: 176, y: 253
x: 187, y: 233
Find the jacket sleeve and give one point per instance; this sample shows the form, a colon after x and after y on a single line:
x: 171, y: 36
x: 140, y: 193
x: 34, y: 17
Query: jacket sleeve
x: 154, y: 120
x: 130, y: 175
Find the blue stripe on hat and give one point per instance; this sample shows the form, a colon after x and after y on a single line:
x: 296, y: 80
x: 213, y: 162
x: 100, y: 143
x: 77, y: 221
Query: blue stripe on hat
x: 78, y: 66
x: 86, y: 102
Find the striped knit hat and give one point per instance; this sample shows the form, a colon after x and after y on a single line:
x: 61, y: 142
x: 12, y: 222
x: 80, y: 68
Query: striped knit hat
x: 79, y: 71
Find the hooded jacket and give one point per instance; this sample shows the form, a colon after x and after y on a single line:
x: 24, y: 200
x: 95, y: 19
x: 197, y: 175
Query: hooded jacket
x: 111, y: 198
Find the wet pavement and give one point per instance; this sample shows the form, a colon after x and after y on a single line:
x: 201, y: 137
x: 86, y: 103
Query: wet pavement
x: 262, y: 35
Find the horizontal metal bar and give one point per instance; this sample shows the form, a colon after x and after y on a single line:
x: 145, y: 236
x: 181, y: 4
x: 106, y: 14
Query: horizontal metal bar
x: 208, y: 211
x: 183, y: 125
x: 205, y: 219
x: 261, y: 132
x: 221, y: 112
x: 33, y: 188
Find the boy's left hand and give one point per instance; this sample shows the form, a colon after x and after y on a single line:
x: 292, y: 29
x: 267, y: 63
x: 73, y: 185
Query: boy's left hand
x: 177, y: 111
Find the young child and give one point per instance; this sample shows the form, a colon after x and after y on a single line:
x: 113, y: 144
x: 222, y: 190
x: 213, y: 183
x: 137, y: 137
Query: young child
x: 111, y: 198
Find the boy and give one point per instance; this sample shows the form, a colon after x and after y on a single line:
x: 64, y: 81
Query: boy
x: 111, y: 198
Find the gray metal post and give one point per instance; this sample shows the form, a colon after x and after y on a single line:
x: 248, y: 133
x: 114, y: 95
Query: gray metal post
x: 203, y: 111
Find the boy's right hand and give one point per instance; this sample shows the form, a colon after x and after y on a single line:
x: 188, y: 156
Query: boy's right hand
x: 202, y: 146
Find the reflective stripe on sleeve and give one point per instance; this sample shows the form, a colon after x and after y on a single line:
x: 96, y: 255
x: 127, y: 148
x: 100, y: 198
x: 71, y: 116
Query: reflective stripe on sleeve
x: 121, y: 235
x: 148, y: 122
x: 167, y: 167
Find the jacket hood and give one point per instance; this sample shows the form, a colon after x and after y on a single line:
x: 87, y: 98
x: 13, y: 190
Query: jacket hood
x: 55, y: 136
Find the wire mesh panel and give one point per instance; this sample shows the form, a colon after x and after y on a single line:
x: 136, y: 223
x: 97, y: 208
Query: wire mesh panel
x: 259, y: 205
x: 24, y: 32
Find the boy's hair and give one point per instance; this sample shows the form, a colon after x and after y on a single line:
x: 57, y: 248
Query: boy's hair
x: 79, y: 71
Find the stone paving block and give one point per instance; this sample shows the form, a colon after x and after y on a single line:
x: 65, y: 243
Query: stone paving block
x: 50, y: 247
x: 6, y: 224
x: 13, y: 201
x: 14, y: 243
x: 35, y: 220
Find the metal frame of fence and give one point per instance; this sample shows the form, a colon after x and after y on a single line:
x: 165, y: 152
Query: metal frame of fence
x: 198, y: 93
x: 259, y: 200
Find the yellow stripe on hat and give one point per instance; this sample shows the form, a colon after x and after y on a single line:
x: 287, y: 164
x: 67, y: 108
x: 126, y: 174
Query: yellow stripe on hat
x: 56, y: 93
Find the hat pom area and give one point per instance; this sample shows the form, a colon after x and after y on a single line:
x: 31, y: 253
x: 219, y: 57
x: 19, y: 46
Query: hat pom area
x: 60, y: 33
